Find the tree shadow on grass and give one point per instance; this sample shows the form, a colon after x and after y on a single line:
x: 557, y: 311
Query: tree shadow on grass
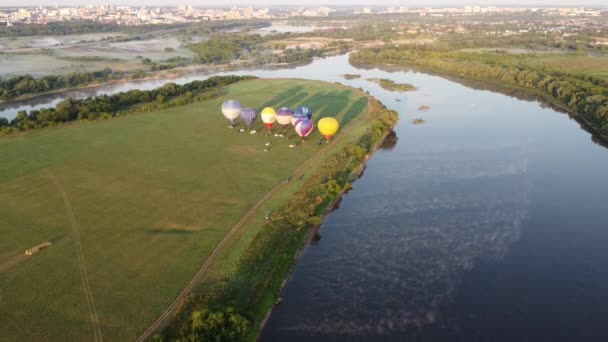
x: 355, y: 109
x: 293, y: 101
x: 283, y: 97
x: 315, y: 103
x: 334, y: 104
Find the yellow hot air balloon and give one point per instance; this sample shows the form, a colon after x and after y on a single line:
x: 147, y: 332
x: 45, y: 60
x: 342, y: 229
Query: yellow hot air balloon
x: 269, y: 116
x: 328, y: 127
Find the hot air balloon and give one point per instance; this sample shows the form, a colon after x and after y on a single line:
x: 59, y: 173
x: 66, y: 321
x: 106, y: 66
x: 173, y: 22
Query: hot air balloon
x: 269, y: 116
x: 248, y: 115
x: 284, y: 116
x: 304, y: 127
x: 301, y: 112
x: 328, y: 127
x: 231, y: 110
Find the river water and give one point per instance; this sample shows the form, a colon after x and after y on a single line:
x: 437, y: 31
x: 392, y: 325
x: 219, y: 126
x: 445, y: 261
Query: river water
x: 486, y: 223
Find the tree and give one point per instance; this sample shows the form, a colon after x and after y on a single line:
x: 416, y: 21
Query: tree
x: 224, y: 325
x: 314, y: 221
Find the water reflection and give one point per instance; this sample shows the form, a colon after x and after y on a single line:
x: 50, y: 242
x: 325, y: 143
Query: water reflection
x: 400, y: 242
x: 390, y: 141
x: 498, y: 88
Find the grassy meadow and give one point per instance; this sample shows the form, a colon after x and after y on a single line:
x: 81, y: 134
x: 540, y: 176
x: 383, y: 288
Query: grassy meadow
x: 151, y: 196
x: 595, y: 65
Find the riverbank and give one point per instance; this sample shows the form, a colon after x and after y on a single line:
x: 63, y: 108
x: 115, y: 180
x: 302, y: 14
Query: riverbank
x: 156, y: 75
x: 202, y: 70
x: 314, y: 231
x: 506, y: 88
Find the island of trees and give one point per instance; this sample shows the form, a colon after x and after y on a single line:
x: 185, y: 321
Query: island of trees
x: 391, y: 85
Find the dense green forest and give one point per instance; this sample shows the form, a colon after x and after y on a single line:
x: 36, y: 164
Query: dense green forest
x: 25, y: 85
x: 223, y: 48
x: 579, y: 93
x: 107, y: 106
x: 260, y: 271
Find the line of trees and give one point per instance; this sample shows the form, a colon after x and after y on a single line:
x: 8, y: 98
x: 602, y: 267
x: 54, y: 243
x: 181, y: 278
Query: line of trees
x: 81, y: 27
x: 28, y: 85
x: 582, y: 94
x: 57, y: 28
x: 296, y: 55
x: 107, y: 106
x: 265, y: 263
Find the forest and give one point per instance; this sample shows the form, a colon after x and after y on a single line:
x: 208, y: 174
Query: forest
x: 222, y: 48
x: 26, y: 84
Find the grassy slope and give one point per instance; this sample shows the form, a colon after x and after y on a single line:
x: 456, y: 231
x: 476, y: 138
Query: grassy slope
x: 152, y: 194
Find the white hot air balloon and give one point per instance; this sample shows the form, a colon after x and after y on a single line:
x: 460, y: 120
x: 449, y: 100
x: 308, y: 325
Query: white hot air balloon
x: 231, y: 110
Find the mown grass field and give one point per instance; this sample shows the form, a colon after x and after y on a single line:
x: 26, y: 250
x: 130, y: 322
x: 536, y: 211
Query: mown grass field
x: 151, y: 196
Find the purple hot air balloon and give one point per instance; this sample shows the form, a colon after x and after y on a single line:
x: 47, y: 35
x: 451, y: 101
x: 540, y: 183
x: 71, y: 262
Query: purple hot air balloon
x: 301, y: 112
x: 304, y: 127
x: 284, y: 116
x: 249, y: 115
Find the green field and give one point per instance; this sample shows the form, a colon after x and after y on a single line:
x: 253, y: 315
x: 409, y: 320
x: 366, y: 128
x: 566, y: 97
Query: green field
x: 595, y: 65
x: 150, y: 196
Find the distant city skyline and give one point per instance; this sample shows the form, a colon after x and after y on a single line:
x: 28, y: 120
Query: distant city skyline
x: 413, y: 3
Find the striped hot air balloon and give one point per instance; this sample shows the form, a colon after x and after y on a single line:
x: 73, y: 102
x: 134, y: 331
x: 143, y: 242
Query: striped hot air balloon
x: 301, y: 112
x: 269, y: 116
x: 231, y: 110
x: 249, y: 115
x: 284, y: 116
x: 304, y: 127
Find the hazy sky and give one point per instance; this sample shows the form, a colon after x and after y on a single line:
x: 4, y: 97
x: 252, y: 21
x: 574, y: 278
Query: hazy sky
x: 411, y: 3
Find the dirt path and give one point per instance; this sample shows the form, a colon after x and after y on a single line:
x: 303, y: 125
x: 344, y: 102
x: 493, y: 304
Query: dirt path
x: 81, y: 264
x: 168, y: 313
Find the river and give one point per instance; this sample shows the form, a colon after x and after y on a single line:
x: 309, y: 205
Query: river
x: 486, y: 223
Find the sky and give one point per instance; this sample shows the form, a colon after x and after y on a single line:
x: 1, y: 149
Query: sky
x: 410, y: 3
